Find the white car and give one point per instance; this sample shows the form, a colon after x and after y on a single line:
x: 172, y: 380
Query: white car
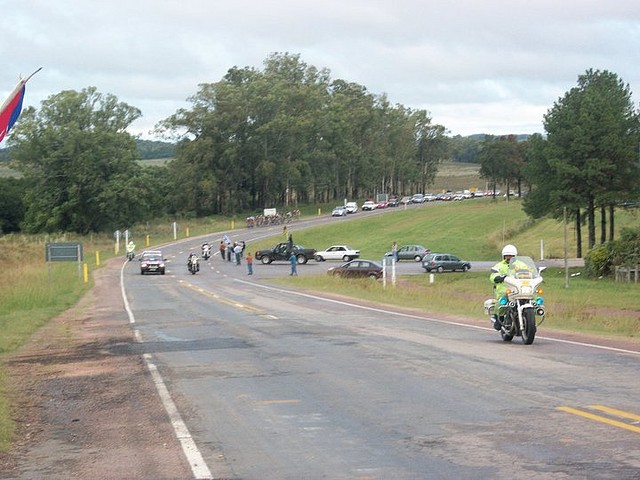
x: 369, y: 205
x: 352, y: 207
x: 339, y: 212
x: 337, y: 252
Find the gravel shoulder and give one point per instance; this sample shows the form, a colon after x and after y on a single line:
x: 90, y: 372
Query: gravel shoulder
x: 86, y: 405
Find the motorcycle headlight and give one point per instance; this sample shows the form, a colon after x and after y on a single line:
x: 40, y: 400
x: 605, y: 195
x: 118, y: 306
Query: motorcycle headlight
x: 527, y: 290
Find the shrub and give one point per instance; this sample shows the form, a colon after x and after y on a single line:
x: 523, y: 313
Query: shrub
x: 602, y: 259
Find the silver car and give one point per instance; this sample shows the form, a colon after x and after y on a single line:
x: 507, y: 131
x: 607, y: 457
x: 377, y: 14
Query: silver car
x: 444, y: 261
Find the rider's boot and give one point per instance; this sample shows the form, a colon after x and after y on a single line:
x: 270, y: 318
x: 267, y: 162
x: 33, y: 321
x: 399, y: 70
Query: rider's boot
x: 496, y: 322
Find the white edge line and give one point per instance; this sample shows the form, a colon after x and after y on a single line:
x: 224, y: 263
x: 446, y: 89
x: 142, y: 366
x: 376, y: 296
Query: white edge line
x: 408, y: 315
x: 194, y: 457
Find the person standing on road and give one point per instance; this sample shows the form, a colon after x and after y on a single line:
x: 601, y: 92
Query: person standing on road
x: 237, y: 250
x: 249, y: 264
x: 222, y: 249
x: 293, y: 260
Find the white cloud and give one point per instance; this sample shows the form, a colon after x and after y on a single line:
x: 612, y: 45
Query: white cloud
x: 478, y: 67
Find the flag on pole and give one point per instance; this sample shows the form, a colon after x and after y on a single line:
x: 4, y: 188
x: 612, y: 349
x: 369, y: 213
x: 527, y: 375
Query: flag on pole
x: 12, y: 106
x: 11, y: 109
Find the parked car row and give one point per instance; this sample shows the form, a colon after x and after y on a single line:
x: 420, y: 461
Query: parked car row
x: 417, y: 198
x: 438, y: 262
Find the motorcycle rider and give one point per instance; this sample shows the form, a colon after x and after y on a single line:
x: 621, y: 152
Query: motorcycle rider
x: 497, y: 276
x: 206, y: 249
x: 192, y: 258
x: 131, y: 248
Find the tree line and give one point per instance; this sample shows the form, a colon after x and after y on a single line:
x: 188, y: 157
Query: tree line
x: 288, y: 135
x: 587, y: 162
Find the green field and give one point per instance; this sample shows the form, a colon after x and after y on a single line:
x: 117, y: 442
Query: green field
x: 475, y: 229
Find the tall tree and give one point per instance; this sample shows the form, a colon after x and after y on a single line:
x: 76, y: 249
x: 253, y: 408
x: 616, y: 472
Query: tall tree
x: 549, y: 193
x: 79, y: 163
x: 432, y: 147
x: 289, y: 134
x: 502, y: 161
x: 592, y: 139
x: 12, y: 207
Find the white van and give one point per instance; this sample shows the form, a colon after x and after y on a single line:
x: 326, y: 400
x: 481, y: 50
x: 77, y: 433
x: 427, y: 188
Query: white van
x: 352, y: 207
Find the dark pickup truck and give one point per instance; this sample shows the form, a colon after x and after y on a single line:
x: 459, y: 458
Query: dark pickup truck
x: 282, y: 251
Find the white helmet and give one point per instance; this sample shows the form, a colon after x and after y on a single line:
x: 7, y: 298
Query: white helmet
x: 509, y: 250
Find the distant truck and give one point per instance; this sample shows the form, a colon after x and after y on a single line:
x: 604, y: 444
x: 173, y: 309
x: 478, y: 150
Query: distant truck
x: 282, y: 252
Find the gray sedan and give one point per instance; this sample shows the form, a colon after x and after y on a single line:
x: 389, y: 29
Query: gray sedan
x: 444, y: 261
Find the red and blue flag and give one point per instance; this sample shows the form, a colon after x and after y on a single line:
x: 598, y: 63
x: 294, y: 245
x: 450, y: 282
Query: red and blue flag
x: 11, y: 109
x: 12, y: 106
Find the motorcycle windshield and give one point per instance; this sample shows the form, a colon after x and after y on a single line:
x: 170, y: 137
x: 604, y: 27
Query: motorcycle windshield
x: 523, y: 268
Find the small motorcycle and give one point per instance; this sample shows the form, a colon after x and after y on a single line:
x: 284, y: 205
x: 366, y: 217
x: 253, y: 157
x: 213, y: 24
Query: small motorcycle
x: 206, y: 252
x: 194, y: 265
x: 131, y: 255
x: 521, y: 309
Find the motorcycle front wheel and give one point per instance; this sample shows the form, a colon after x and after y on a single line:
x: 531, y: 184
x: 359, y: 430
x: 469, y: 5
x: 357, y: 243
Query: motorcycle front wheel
x: 529, y: 330
x: 506, y: 336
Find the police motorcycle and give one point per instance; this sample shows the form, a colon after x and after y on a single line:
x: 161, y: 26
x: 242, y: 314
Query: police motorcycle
x: 520, y: 310
x: 131, y: 251
x: 206, y: 251
x: 193, y: 264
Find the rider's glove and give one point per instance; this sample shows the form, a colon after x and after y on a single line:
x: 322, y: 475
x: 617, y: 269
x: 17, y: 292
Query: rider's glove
x: 499, y: 278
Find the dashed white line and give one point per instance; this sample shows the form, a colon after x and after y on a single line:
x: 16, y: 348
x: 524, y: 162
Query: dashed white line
x: 199, y: 467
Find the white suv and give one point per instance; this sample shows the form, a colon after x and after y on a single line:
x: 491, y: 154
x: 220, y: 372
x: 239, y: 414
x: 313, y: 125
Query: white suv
x: 352, y: 207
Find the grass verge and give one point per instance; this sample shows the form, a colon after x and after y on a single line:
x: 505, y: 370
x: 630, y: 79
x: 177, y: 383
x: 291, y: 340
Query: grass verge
x: 587, y: 306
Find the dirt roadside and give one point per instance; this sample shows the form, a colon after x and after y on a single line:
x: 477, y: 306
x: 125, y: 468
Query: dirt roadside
x: 86, y: 404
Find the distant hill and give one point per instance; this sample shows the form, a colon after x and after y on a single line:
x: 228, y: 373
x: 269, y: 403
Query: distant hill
x: 465, y: 149
x: 152, y: 149
x: 148, y: 149
x: 481, y: 136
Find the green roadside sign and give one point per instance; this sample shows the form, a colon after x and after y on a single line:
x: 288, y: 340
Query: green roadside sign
x: 63, y: 252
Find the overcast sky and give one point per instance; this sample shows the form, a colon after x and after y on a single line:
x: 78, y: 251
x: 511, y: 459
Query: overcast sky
x: 478, y: 67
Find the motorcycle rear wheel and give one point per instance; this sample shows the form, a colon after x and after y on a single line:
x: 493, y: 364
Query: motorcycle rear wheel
x: 529, y: 330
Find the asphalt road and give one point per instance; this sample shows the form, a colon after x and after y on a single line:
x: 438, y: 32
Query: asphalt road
x: 275, y: 384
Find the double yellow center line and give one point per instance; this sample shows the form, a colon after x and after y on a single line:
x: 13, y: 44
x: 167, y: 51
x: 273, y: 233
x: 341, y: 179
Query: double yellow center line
x: 611, y: 412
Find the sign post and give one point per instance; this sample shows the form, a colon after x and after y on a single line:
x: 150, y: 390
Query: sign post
x: 64, y: 252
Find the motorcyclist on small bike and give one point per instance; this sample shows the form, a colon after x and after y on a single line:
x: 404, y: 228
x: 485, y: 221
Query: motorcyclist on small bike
x: 131, y: 249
